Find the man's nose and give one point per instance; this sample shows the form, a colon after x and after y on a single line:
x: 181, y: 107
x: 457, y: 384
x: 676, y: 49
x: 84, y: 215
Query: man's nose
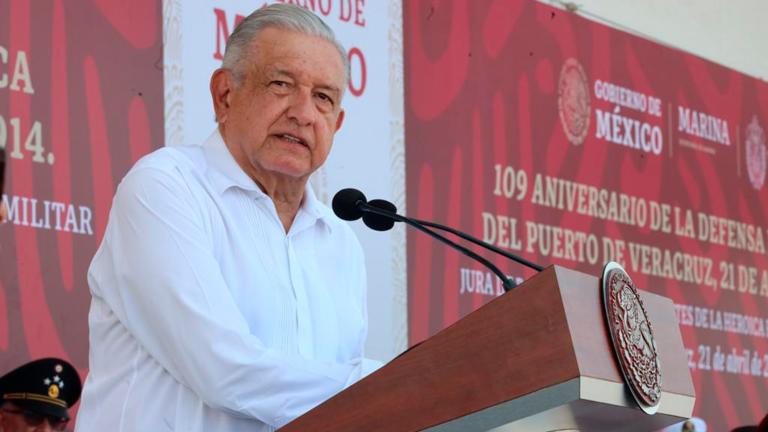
x: 302, y: 109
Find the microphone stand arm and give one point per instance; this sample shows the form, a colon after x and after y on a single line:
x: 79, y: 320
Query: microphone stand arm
x: 507, y: 282
x: 479, y: 242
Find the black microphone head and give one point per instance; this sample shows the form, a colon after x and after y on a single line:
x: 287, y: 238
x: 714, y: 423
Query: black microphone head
x: 379, y: 222
x: 346, y: 204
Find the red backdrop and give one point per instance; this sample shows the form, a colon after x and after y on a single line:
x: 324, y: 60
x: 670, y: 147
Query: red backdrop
x: 559, y: 138
x: 81, y: 98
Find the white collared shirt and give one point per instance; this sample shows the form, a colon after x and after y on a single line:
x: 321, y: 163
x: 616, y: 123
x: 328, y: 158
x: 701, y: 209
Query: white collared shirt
x: 206, y: 315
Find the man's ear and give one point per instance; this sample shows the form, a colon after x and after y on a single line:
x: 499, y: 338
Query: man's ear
x: 222, y: 84
x: 339, y: 120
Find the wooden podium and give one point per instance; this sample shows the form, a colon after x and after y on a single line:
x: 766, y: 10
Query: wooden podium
x: 538, y: 358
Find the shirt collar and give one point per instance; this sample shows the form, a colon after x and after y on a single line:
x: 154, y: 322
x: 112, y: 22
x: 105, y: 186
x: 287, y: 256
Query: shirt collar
x: 312, y: 205
x: 225, y: 172
x: 312, y: 211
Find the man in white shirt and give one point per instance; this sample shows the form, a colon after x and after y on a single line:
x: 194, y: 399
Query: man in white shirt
x: 226, y: 297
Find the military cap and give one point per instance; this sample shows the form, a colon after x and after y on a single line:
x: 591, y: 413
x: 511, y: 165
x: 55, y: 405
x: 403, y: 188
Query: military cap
x: 48, y: 386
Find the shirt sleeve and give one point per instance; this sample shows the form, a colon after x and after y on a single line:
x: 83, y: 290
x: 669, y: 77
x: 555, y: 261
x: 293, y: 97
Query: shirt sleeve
x: 157, y: 270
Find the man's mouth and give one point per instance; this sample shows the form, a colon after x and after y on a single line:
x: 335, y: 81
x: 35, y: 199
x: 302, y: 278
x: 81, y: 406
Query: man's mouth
x: 293, y: 138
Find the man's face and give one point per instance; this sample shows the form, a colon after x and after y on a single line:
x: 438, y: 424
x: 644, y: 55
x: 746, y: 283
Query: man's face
x: 280, y: 118
x: 15, y: 419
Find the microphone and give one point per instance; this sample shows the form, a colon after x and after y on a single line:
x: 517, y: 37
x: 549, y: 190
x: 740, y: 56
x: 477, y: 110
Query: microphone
x: 379, y: 222
x: 346, y: 204
x: 350, y: 204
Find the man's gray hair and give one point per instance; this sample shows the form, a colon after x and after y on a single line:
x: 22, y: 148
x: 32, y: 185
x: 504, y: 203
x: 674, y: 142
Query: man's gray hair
x: 282, y: 16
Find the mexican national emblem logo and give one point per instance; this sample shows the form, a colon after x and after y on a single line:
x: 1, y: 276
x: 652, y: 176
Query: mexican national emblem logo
x: 632, y: 337
x: 755, y: 154
x: 573, y: 101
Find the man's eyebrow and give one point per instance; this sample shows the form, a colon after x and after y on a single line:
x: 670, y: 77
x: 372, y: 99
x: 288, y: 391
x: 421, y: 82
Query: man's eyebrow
x: 276, y: 71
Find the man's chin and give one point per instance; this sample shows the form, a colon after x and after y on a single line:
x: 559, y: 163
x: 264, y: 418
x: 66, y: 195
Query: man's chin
x: 295, y: 171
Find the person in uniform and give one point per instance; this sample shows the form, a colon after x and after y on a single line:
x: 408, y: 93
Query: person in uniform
x: 37, y: 396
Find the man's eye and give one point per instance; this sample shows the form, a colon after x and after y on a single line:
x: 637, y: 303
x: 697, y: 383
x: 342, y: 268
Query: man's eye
x: 325, y: 98
x: 281, y: 84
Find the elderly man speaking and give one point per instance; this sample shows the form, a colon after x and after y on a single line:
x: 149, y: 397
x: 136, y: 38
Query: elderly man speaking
x: 226, y: 297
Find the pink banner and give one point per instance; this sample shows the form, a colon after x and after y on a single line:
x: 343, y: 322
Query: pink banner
x: 572, y: 143
x: 81, y: 98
